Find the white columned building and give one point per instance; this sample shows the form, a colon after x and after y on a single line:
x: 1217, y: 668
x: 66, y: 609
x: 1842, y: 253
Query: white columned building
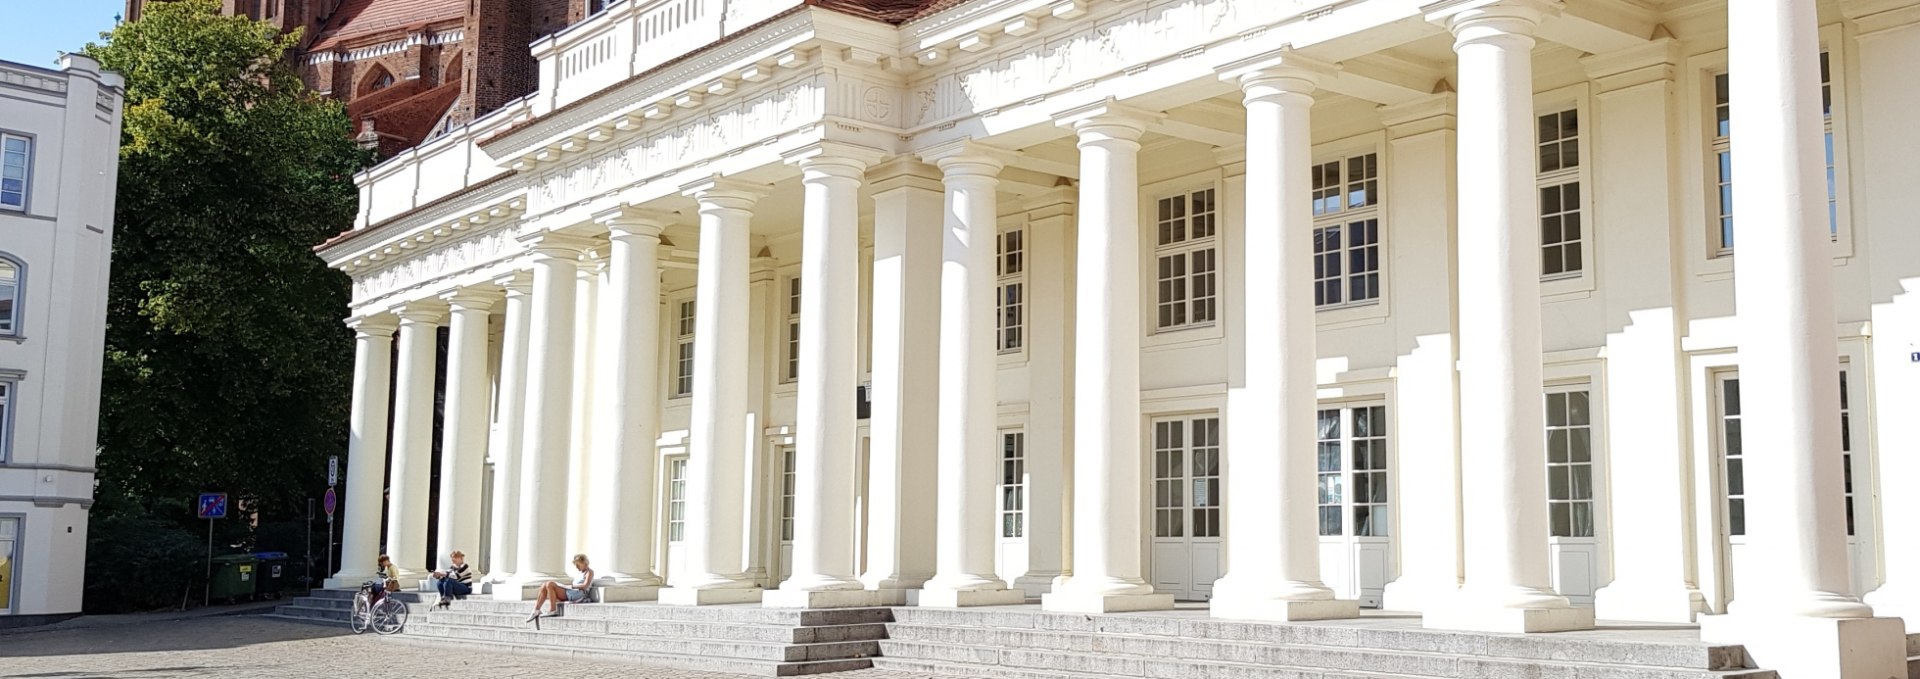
x: 1306, y: 310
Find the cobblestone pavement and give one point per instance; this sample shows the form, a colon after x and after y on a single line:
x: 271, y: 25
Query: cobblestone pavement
x: 250, y: 647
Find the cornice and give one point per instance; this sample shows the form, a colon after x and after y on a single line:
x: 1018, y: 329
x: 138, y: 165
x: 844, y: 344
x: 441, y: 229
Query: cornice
x: 454, y: 220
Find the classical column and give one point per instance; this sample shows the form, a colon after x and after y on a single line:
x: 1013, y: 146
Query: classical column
x: 411, y: 480
x: 584, y: 390
x: 463, y: 442
x: 719, y: 433
x: 623, y: 494
x: 1107, y: 540
x: 1273, y: 565
x: 545, y: 434
x: 824, y: 519
x: 969, y: 460
x: 366, y: 449
x: 905, y: 396
x: 1504, y: 465
x: 1793, y: 612
x: 512, y: 415
x: 1049, y: 344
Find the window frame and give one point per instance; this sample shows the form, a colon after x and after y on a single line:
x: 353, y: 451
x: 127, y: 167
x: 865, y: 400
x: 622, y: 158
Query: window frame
x: 685, y: 316
x: 789, y: 489
x: 19, y: 520
x: 19, y: 330
x: 1344, y: 218
x: 791, y: 290
x: 1013, y: 465
x: 1576, y: 98
x: 1381, y: 307
x: 27, y: 180
x: 1345, y: 506
x: 1185, y: 190
x: 1592, y: 463
x: 676, y: 498
x: 1016, y: 280
x: 1184, y: 513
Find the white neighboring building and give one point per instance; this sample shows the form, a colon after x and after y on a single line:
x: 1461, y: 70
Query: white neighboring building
x: 1275, y: 303
x: 59, y: 166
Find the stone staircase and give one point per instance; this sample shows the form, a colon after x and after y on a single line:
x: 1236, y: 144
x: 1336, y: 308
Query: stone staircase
x: 1028, y: 644
x: 333, y: 605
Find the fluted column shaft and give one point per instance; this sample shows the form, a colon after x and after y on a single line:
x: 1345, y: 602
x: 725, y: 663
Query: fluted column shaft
x: 366, y: 449
x: 463, y: 447
x: 545, y: 437
x: 411, y: 481
x: 512, y: 415
x: 624, y: 470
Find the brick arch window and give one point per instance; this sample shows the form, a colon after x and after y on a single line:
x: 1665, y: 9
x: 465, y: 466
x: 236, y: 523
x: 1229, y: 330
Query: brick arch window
x: 377, y: 79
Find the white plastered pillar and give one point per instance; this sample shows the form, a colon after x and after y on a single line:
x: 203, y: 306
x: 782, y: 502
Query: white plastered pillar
x: 1794, y: 613
x: 625, y: 448
x: 411, y: 480
x: 1108, y: 543
x: 905, y: 393
x: 1049, y: 241
x: 1273, y: 566
x: 968, y: 457
x: 716, y: 464
x: 1504, y: 463
x: 512, y: 403
x: 463, y: 447
x: 366, y: 449
x: 824, y: 519
x: 546, y: 437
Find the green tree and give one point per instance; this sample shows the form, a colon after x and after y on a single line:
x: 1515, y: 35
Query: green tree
x: 227, y: 365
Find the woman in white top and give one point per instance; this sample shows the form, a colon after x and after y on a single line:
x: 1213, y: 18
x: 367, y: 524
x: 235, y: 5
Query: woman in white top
x: 552, y: 594
x: 456, y: 582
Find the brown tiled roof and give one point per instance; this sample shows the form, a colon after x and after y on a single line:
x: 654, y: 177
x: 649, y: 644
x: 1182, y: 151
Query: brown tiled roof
x: 363, y: 18
x: 406, y: 123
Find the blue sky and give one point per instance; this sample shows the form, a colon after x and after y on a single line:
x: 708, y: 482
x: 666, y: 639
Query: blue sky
x: 34, y: 32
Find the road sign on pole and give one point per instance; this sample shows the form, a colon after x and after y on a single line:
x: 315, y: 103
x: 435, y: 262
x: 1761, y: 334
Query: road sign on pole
x: 330, y: 502
x: 333, y: 470
x: 213, y: 505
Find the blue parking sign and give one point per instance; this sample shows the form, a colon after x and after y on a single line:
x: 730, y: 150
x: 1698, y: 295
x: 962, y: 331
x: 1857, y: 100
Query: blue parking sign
x: 213, y: 505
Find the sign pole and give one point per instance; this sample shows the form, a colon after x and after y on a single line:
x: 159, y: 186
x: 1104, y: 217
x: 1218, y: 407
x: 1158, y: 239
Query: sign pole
x: 206, y: 598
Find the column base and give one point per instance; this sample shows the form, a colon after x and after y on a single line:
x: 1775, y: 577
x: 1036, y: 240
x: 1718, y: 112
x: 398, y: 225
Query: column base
x: 1815, y: 648
x: 1076, y: 602
x: 1648, y: 604
x: 953, y: 598
x: 1284, y: 610
x: 1036, y: 583
x: 899, y: 582
x: 1470, y: 616
x: 832, y: 598
x: 688, y: 596
x: 625, y: 592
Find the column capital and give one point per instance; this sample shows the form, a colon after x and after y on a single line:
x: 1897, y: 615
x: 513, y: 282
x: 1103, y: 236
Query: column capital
x: 968, y: 158
x: 1473, y: 21
x: 555, y: 245
x: 1656, y: 61
x: 470, y: 299
x: 761, y: 269
x: 375, y: 324
x: 1281, y: 71
x: 1107, y: 119
x: 838, y: 159
x: 724, y: 193
x: 1426, y: 114
x: 906, y: 171
x: 427, y: 311
x: 516, y: 282
x: 628, y: 221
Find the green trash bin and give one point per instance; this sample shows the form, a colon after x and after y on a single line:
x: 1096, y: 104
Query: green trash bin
x: 233, y: 577
x: 270, y: 574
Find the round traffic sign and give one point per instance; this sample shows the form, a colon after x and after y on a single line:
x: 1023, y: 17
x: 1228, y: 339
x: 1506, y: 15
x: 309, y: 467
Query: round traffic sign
x: 330, y: 502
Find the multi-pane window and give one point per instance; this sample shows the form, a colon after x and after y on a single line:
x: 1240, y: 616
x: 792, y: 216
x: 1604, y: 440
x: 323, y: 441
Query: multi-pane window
x: 683, y: 350
x: 16, y: 152
x: 10, y: 296
x: 788, y: 469
x: 1570, y: 464
x: 1826, y: 113
x: 1186, y: 477
x: 1846, y: 440
x: 1186, y: 261
x: 7, y: 390
x: 1013, y: 484
x: 1012, y: 297
x: 676, y: 499
x: 793, y: 330
x: 1352, y: 453
x: 1723, y: 153
x: 1346, y: 234
x: 1733, y: 454
x: 1561, y: 239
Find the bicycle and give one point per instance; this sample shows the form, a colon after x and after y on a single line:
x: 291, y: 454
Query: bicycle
x: 374, y: 607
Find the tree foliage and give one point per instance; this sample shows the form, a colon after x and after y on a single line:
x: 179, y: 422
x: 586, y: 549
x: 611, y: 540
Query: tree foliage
x: 227, y: 364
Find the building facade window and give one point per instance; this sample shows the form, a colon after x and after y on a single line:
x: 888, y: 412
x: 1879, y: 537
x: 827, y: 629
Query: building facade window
x: 10, y: 538
x: 1722, y: 149
x: 1733, y: 455
x: 1570, y: 464
x: 7, y: 390
x: 683, y: 350
x: 788, y: 471
x: 1186, y: 260
x: 1013, y: 484
x: 16, y: 163
x: 1012, y: 291
x: 1561, y: 237
x: 792, y: 371
x: 677, y: 499
x: 1352, y: 456
x: 1346, y: 234
x: 1186, y: 477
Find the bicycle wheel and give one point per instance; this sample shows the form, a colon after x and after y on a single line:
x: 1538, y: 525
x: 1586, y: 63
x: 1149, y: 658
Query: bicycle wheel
x: 390, y: 616
x: 362, y: 615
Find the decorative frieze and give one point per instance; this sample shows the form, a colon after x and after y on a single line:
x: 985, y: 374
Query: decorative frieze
x: 33, y: 80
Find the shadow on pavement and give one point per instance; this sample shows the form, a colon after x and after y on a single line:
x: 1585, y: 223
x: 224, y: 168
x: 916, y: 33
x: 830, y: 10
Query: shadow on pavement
x: 160, y: 636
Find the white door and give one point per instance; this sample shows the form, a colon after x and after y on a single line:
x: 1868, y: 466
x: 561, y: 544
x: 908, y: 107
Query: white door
x: 788, y: 462
x: 1355, y: 513
x: 676, y: 514
x: 1011, y: 546
x: 1186, y: 506
x: 1574, y: 549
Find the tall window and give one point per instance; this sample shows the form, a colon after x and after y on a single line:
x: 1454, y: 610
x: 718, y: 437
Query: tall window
x: 677, y: 499
x: 6, y: 420
x: 793, y: 329
x: 1723, y: 152
x: 683, y: 351
x: 1346, y: 234
x: 1826, y: 121
x: 1186, y: 477
x: 1734, y: 455
x: 11, y: 296
x: 1013, y: 484
x: 788, y: 464
x: 1353, y: 455
x: 1012, y: 291
x: 1846, y: 442
x: 16, y: 152
x: 1186, y: 260
x: 1570, y: 464
x: 1560, y: 224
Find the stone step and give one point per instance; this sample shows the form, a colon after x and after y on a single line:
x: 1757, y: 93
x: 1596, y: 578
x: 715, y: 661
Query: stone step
x: 460, y: 615
x: 731, y: 614
x: 1116, y: 655
x: 311, y: 613
x: 1225, y: 671
x: 736, y: 651
x: 761, y: 668
x: 974, y: 627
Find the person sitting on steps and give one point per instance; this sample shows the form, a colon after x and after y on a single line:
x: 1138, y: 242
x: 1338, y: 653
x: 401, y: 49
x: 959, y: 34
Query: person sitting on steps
x: 456, y: 582
x: 552, y: 594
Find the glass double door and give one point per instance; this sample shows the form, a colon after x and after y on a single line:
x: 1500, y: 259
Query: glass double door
x: 1355, y: 510
x: 1187, y: 482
